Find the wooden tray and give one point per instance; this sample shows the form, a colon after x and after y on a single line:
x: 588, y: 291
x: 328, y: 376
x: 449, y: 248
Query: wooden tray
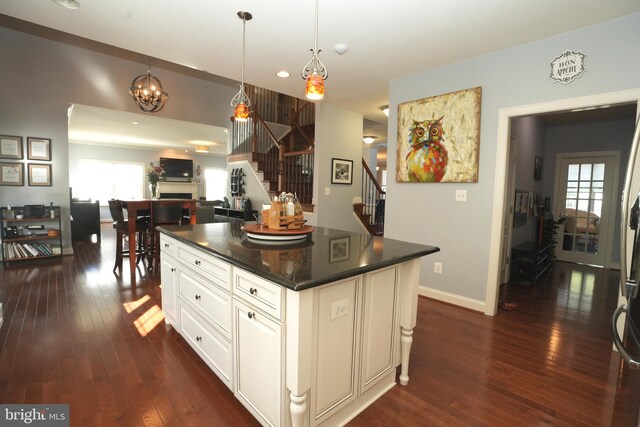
x: 260, y: 232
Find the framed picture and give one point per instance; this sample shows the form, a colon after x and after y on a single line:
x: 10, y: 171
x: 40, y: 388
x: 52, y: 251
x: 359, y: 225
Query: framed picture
x: 341, y: 171
x: 339, y: 249
x: 11, y: 174
x: 38, y: 148
x: 10, y: 147
x: 39, y: 175
x: 537, y: 168
x: 439, y: 138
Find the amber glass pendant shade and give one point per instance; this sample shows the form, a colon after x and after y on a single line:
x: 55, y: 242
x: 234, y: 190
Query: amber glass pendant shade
x: 241, y: 112
x: 314, y: 89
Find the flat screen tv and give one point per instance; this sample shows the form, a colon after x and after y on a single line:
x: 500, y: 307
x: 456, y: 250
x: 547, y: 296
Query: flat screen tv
x: 177, y: 168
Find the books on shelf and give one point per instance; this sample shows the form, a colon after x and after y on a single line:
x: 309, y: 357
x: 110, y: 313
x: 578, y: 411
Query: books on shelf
x: 15, y: 250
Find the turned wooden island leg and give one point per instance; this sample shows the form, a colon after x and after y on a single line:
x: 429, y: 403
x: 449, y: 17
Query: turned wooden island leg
x: 298, y: 409
x: 405, y: 347
x: 409, y: 308
x: 299, y: 306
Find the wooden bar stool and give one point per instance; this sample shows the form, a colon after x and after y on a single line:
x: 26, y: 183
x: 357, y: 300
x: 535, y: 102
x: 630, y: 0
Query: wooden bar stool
x: 167, y: 212
x: 121, y: 226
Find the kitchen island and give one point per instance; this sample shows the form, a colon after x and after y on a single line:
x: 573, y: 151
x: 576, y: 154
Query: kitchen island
x: 303, y: 333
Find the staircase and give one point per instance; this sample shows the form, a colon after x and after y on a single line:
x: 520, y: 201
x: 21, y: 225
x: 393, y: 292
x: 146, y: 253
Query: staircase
x: 279, y: 144
x: 370, y: 210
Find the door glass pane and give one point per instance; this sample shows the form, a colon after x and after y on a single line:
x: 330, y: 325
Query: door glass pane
x: 573, y: 172
x: 598, y: 172
x: 583, y: 207
x: 585, y: 172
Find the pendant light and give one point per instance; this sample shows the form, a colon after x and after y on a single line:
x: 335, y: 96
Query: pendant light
x: 314, y: 72
x: 146, y: 90
x: 241, y: 102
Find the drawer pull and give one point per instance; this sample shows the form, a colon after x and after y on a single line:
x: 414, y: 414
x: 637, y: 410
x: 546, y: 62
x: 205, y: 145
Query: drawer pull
x: 197, y: 262
x: 251, y: 315
x: 199, y: 339
x: 253, y: 291
x: 198, y: 297
x: 166, y: 245
x: 173, y: 269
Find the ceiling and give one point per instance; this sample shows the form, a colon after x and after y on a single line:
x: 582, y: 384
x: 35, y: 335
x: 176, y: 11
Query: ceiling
x: 102, y: 126
x: 385, y: 40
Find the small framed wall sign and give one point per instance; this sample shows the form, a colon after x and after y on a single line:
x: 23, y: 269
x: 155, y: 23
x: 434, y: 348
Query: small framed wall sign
x: 39, y: 175
x: 341, y: 171
x: 10, y: 147
x: 38, y: 148
x: 11, y: 174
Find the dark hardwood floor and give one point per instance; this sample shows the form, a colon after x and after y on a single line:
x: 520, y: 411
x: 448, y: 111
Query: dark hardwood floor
x: 76, y: 333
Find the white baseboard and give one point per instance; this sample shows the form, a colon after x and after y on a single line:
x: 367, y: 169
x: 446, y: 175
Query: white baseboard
x: 471, y: 304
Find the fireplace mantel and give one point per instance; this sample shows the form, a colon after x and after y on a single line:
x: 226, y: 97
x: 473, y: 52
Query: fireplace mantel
x: 178, y: 187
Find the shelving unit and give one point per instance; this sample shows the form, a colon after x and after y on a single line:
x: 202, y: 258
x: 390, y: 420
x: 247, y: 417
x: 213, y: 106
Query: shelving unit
x: 28, y: 239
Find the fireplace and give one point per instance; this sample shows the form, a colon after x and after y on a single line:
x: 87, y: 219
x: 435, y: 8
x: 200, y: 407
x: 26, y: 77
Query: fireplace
x: 176, y: 196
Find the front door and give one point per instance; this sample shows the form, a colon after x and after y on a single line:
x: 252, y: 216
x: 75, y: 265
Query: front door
x: 584, y: 201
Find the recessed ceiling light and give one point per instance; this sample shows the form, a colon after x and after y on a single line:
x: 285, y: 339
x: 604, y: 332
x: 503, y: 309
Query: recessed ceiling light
x: 135, y: 123
x: 283, y: 74
x: 69, y: 4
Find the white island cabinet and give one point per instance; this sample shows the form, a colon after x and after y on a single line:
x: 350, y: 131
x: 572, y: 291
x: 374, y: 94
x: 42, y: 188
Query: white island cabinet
x: 311, y: 357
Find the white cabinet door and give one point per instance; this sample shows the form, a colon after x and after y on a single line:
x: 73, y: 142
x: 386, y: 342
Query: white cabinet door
x: 169, y: 274
x: 258, y: 344
x: 379, y: 325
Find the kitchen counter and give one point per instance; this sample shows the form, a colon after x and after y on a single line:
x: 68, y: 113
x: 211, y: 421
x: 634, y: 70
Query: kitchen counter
x: 303, y: 334
x: 325, y: 256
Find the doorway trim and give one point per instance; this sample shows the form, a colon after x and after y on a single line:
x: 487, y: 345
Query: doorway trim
x: 502, y: 151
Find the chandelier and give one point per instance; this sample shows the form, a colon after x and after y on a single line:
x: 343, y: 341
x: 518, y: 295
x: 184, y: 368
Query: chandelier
x: 315, y: 72
x: 146, y: 90
x: 241, y: 101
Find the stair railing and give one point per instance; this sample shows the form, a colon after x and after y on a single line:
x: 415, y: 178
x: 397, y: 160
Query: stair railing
x: 373, y: 201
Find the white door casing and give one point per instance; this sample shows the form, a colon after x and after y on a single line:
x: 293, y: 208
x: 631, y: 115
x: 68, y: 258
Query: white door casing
x: 500, y: 178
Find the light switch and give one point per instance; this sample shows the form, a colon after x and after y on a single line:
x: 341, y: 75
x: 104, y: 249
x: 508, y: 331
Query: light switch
x: 327, y: 191
x: 461, y: 195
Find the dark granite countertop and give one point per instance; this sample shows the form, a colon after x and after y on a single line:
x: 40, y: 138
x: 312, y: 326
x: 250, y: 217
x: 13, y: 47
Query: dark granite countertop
x: 326, y: 255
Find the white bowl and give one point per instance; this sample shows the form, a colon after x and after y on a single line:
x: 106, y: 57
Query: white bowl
x: 19, y: 216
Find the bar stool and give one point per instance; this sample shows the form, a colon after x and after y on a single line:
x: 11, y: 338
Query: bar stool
x: 168, y: 212
x: 121, y: 225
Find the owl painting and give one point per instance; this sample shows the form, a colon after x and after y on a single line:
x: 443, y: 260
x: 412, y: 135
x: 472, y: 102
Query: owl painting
x: 438, y: 138
x: 427, y: 159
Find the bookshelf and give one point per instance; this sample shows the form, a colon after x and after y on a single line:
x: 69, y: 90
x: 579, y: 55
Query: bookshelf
x: 30, y: 234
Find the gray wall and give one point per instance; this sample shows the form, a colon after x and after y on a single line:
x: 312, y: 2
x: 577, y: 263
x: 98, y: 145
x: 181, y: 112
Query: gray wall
x: 40, y: 78
x: 428, y: 213
x: 528, y: 133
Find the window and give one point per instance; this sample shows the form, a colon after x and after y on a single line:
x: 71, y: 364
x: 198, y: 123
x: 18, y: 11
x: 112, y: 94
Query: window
x: 215, y: 183
x: 103, y: 180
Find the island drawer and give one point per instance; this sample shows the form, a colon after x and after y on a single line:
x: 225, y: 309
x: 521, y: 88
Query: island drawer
x: 168, y: 244
x: 263, y: 294
x: 214, y: 349
x: 217, y: 271
x: 212, y: 303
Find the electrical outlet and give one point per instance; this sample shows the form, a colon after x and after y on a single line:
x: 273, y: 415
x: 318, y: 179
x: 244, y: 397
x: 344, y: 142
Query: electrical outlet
x: 339, y: 308
x: 437, y: 267
x: 461, y: 195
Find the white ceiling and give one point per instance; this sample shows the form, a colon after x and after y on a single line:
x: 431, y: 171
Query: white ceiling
x: 386, y: 40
